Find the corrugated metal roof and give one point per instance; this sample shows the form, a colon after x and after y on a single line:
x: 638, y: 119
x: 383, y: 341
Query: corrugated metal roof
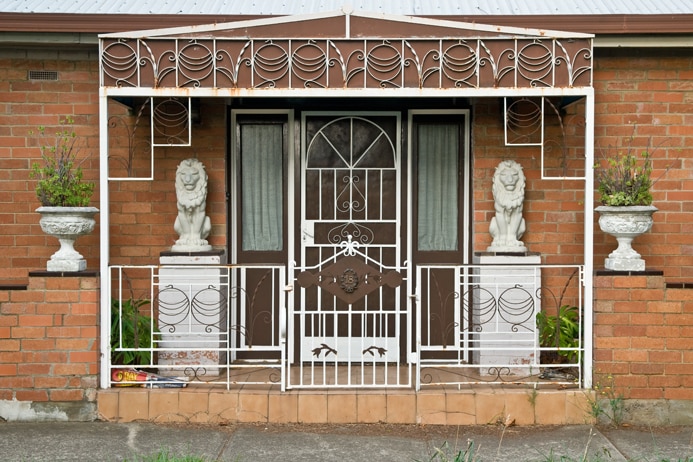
x: 397, y: 7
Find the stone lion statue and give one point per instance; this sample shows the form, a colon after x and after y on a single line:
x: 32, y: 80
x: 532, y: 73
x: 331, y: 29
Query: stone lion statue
x: 192, y: 225
x: 508, y: 226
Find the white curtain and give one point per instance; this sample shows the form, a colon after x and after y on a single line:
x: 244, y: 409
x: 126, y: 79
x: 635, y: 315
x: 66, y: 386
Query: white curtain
x: 438, y: 151
x: 261, y: 179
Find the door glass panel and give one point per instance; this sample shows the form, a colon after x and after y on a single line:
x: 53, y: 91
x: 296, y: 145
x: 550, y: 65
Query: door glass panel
x: 438, y: 208
x: 261, y: 186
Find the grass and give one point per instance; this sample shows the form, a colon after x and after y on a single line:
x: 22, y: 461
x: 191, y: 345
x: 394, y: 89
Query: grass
x: 165, y: 456
x: 446, y: 454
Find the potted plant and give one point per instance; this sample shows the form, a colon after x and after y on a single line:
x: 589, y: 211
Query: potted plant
x: 624, y: 181
x: 131, y: 333
x: 63, y: 194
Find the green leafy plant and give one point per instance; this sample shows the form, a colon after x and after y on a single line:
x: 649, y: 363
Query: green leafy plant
x: 609, y: 403
x: 447, y: 454
x: 130, y: 328
x: 59, y: 174
x: 624, y: 176
x: 561, y: 331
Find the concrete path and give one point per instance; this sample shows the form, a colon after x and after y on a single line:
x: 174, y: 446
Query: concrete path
x: 102, y: 441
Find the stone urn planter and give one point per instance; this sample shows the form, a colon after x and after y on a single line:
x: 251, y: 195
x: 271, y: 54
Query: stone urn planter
x: 67, y: 224
x: 625, y: 223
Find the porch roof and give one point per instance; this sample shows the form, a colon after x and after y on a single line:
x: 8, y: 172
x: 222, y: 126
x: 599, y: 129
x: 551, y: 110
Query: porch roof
x: 344, y: 50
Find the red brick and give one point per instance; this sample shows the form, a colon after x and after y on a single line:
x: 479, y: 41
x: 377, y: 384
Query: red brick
x: 63, y: 332
x: 83, y: 356
x: 62, y: 296
x: 53, y: 308
x: 679, y: 393
x: 38, y: 344
x: 665, y: 356
x: 35, y: 320
x: 630, y: 355
x: 647, y: 319
x: 31, y: 395
x: 33, y: 369
x: 84, y: 308
x: 67, y: 395
x: 50, y: 382
x: 614, y: 342
x: 679, y: 295
x: 679, y: 369
x: 664, y: 307
x: 663, y: 331
x: 648, y: 343
x: 629, y: 331
x: 664, y: 381
x: 62, y: 284
x: 630, y: 282
x: 647, y: 294
x: 28, y: 332
x: 646, y: 393
x: 629, y: 306
x: 10, y: 345
x: 646, y: 369
x: 8, y: 369
x: 72, y: 344
x: 80, y: 320
x: 77, y: 369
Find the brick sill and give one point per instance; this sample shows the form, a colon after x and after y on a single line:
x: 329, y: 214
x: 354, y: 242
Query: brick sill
x: 64, y: 274
x: 606, y: 272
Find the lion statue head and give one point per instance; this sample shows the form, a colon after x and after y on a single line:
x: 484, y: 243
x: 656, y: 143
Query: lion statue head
x: 191, y: 184
x: 509, y: 185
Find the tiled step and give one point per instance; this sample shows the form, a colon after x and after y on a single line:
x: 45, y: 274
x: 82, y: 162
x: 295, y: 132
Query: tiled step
x: 475, y: 406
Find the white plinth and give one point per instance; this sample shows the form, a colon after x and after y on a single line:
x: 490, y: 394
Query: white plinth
x: 507, y: 336
x: 192, y: 315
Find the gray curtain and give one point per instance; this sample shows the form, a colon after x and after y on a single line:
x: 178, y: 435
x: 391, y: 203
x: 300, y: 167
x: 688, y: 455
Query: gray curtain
x: 261, y: 179
x: 438, y: 151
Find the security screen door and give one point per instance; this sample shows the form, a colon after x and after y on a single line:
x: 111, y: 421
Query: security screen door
x: 350, y: 312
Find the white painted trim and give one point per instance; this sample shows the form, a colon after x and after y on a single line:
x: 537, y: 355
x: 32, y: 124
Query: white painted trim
x: 104, y: 246
x: 348, y: 92
x: 588, y: 251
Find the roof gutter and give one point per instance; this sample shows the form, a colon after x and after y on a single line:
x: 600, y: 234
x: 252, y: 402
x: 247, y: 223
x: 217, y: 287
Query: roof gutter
x: 92, y: 40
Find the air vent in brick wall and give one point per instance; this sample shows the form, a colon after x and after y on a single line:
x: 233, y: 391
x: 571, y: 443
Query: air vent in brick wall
x: 43, y: 75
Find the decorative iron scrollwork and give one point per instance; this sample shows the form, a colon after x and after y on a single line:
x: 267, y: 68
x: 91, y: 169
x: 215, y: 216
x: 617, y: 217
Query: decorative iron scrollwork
x: 349, y: 280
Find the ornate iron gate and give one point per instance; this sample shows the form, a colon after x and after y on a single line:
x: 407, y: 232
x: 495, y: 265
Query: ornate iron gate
x: 349, y: 315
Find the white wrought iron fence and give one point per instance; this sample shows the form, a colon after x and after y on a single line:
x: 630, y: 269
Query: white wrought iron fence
x: 175, y: 325
x: 232, y: 325
x: 499, y: 324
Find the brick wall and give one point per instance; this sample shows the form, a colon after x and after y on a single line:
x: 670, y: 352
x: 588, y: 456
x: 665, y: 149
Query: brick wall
x: 143, y: 212
x: 27, y: 104
x: 652, y: 90
x: 553, y: 209
x: 49, y: 343
x: 643, y: 336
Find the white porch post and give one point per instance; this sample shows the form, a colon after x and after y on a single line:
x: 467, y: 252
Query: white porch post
x: 104, y: 254
x: 588, y: 321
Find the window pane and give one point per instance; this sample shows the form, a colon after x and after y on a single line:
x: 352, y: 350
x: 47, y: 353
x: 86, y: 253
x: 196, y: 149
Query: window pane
x: 438, y: 149
x: 261, y: 190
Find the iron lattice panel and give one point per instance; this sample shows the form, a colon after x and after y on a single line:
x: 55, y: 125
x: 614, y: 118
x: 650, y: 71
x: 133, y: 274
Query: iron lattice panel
x: 346, y: 63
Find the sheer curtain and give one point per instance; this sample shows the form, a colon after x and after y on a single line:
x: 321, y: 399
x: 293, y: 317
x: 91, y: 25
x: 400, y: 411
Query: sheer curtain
x: 261, y: 179
x: 438, y: 151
